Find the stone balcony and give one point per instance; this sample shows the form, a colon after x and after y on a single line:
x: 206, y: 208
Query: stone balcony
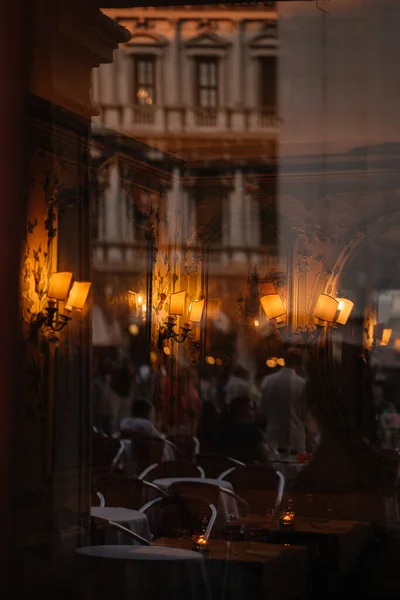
x: 223, y: 261
x: 140, y: 120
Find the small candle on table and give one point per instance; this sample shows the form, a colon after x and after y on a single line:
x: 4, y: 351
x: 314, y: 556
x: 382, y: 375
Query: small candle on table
x: 286, y: 519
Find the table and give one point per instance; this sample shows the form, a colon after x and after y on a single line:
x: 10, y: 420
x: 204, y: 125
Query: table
x: 339, y: 540
x: 133, y: 520
x: 227, y: 504
x: 239, y: 569
x: 144, y: 572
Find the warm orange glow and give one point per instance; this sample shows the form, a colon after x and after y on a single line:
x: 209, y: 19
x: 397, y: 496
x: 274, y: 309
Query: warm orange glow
x: 345, y: 307
x: 133, y: 329
x: 78, y: 295
x: 177, y: 303
x: 196, y: 311
x: 210, y: 360
x: 386, y: 335
x: 287, y: 517
x: 397, y: 344
x: 200, y: 540
x: 326, y: 308
x: 166, y: 351
x: 273, y: 306
x: 281, y: 362
x: 59, y: 286
x: 272, y: 362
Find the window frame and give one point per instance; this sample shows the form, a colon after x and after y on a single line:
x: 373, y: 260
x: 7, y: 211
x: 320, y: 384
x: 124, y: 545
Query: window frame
x: 263, y: 93
x: 214, y: 60
x: 152, y: 59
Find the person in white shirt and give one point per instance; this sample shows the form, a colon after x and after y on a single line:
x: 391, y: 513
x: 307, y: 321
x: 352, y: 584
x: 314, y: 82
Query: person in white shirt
x: 283, y: 404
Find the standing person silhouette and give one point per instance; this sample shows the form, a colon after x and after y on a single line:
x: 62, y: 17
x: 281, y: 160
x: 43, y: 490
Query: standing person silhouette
x: 283, y: 405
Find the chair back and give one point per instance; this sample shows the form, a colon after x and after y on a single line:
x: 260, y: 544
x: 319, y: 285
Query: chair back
x: 120, y: 490
x: 173, y: 468
x: 214, y: 465
x: 146, y: 451
x: 125, y: 491
x: 196, y: 489
x: 259, y: 485
x: 187, y: 445
x: 180, y: 514
x: 105, y: 450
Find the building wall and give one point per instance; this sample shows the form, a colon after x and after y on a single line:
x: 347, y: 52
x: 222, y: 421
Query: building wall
x: 51, y: 456
x: 227, y: 150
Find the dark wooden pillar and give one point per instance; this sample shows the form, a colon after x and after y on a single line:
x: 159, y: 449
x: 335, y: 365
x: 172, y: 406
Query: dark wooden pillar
x: 13, y: 59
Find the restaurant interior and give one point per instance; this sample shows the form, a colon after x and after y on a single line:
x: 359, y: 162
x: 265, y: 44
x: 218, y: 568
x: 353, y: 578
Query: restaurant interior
x: 201, y: 381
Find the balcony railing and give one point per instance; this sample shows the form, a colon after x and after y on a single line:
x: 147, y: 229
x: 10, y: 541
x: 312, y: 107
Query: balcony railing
x: 222, y: 260
x: 143, y: 115
x: 171, y: 119
x: 205, y: 117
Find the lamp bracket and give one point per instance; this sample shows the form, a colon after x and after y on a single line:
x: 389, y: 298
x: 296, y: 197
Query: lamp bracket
x: 49, y: 318
x: 168, y: 332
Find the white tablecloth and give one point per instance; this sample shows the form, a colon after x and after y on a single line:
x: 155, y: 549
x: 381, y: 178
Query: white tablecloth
x: 227, y: 505
x: 140, y: 572
x: 134, y: 520
x: 147, y: 553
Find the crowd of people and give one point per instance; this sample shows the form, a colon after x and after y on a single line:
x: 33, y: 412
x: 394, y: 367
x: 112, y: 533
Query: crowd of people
x: 228, y: 412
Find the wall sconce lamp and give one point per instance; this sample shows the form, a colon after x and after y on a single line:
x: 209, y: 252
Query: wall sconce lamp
x: 59, y: 290
x: 177, y: 304
x: 273, y: 306
x: 138, y: 304
x: 176, y: 308
x: 386, y: 335
x: 196, y: 311
x: 329, y: 310
x: 345, y: 308
x: 333, y: 310
x: 170, y: 333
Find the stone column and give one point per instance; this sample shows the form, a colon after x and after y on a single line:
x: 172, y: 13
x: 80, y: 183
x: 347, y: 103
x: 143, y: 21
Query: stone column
x: 124, y: 85
x: 236, y: 216
x: 172, y: 77
x: 237, y: 82
x: 113, y: 209
x: 237, y: 65
x: 171, y: 59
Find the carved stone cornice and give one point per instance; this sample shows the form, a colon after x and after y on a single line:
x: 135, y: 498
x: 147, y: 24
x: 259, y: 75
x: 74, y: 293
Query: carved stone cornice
x: 70, y: 38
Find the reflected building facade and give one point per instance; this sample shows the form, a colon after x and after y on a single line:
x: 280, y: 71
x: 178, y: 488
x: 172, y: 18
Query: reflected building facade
x: 195, y: 91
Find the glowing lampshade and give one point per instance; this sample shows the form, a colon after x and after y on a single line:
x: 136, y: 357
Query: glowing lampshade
x: 273, y: 306
x: 78, y: 295
x: 59, y: 286
x: 397, y: 344
x: 177, y: 303
x: 386, y: 335
x: 196, y: 311
x: 345, y: 307
x: 326, y: 308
